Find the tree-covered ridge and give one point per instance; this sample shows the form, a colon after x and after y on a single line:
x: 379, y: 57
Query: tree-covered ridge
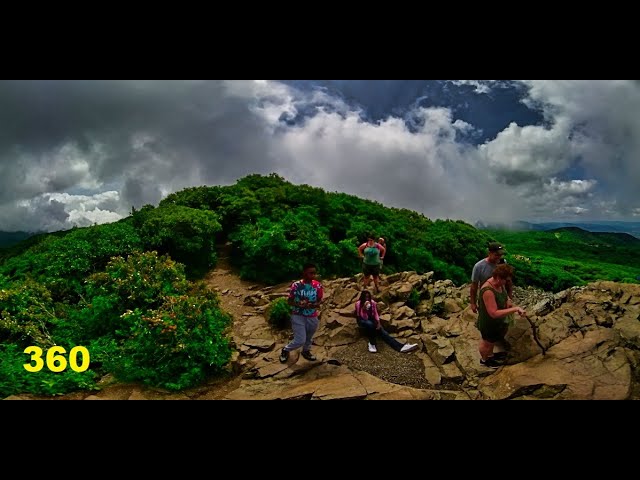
x: 276, y: 226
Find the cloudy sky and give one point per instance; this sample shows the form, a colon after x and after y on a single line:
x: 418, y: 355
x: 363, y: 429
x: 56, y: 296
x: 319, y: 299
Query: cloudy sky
x: 84, y: 152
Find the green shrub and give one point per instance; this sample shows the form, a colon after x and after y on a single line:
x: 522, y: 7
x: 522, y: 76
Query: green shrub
x: 177, y: 345
x: 141, y: 281
x: 26, y: 314
x: 279, y: 313
x: 186, y: 234
x: 150, y: 324
x: 414, y: 299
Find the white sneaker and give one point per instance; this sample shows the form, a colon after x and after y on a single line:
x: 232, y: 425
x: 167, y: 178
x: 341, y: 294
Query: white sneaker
x: 409, y: 347
x: 373, y: 349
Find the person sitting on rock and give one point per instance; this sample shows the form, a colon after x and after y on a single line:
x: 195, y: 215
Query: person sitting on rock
x: 369, y: 321
x: 494, y: 311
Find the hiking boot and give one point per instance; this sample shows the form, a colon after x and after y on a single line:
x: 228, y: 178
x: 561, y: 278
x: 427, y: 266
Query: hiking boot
x: 309, y: 356
x: 284, y: 356
x: 408, y: 347
x: 372, y: 348
x: 500, y: 355
x: 490, y: 363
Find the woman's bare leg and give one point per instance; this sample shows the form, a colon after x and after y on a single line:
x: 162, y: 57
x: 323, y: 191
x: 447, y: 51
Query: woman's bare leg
x: 486, y: 349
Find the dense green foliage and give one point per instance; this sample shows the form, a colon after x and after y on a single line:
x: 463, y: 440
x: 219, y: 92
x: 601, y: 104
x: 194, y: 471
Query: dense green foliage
x: 279, y: 312
x: 275, y: 227
x: 139, y: 318
x: 62, y: 262
x: 171, y: 332
x: 188, y: 235
x: 15, y: 379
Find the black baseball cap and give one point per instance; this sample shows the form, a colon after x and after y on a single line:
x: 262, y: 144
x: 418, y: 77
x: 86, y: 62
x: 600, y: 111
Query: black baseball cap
x: 495, y: 247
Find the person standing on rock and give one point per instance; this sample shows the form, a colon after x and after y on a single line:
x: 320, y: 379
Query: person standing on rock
x: 494, y: 310
x: 369, y: 321
x: 382, y: 242
x: 483, y: 270
x: 305, y: 297
x: 372, y: 254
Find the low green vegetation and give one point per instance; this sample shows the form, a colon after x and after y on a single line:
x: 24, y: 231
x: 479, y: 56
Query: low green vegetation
x: 140, y: 319
x: 558, y: 259
x: 279, y: 312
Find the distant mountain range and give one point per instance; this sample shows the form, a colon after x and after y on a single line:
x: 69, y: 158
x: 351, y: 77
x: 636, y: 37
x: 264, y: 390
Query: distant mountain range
x: 632, y: 228
x: 7, y: 239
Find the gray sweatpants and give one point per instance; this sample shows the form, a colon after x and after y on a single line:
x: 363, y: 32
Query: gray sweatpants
x: 303, y: 330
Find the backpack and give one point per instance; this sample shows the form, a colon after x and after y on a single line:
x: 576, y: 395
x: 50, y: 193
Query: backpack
x: 371, y: 255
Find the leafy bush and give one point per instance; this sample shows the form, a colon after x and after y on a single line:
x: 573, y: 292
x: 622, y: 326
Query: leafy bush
x: 177, y: 345
x: 26, y: 314
x: 141, y: 320
x: 170, y: 332
x: 414, y: 299
x: 141, y: 281
x: 279, y: 313
x: 186, y: 234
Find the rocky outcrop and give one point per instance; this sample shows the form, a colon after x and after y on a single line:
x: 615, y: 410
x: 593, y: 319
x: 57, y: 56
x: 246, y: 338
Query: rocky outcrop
x: 582, y: 343
x: 331, y: 382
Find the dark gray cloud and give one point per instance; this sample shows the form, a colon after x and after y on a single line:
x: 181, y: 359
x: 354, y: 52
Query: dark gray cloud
x: 55, y: 135
x: 413, y: 144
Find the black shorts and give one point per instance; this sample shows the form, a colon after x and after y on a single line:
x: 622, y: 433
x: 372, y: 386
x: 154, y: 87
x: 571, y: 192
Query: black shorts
x: 371, y: 270
x: 493, y: 331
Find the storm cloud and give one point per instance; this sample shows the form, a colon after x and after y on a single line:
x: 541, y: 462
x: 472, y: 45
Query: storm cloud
x: 84, y: 152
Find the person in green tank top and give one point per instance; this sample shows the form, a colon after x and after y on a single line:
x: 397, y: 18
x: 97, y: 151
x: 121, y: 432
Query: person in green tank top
x: 494, y: 310
x: 372, y: 254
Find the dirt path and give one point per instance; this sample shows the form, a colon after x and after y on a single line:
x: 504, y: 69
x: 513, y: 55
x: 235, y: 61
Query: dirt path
x: 232, y: 291
x: 248, y: 321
